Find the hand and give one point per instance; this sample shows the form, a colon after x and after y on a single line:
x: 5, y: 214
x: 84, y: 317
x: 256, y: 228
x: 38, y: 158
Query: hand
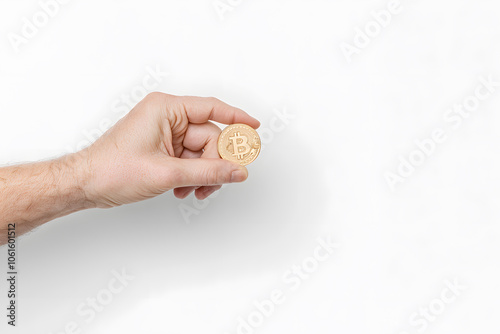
x: 166, y: 142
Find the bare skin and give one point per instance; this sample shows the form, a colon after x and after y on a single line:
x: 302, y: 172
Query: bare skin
x: 166, y: 142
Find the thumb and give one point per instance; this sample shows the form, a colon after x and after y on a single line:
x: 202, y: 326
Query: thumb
x: 206, y: 172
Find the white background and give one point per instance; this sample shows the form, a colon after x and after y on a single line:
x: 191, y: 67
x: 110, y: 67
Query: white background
x: 321, y: 175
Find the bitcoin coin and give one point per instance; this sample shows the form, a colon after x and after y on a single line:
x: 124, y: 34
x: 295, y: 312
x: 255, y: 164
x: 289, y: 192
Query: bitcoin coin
x: 239, y: 143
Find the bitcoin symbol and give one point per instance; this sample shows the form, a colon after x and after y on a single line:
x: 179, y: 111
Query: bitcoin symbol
x: 240, y: 145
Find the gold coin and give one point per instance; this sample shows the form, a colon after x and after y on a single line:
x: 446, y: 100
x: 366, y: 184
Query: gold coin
x: 239, y: 143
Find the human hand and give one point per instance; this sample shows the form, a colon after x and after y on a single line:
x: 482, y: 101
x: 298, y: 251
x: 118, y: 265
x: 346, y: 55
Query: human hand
x: 165, y: 142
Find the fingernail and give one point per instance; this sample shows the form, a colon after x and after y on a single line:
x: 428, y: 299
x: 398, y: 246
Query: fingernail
x: 239, y: 175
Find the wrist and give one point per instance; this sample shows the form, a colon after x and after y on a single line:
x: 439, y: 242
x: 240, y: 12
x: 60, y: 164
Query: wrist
x: 79, y: 176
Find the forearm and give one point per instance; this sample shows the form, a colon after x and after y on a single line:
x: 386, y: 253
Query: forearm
x: 33, y: 194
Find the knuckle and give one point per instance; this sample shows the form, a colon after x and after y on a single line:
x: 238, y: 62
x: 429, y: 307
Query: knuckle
x: 154, y: 96
x: 214, y: 176
x: 174, y: 176
x: 210, y: 176
x: 214, y: 100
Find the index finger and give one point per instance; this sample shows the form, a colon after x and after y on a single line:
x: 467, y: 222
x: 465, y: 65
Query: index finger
x: 202, y: 109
